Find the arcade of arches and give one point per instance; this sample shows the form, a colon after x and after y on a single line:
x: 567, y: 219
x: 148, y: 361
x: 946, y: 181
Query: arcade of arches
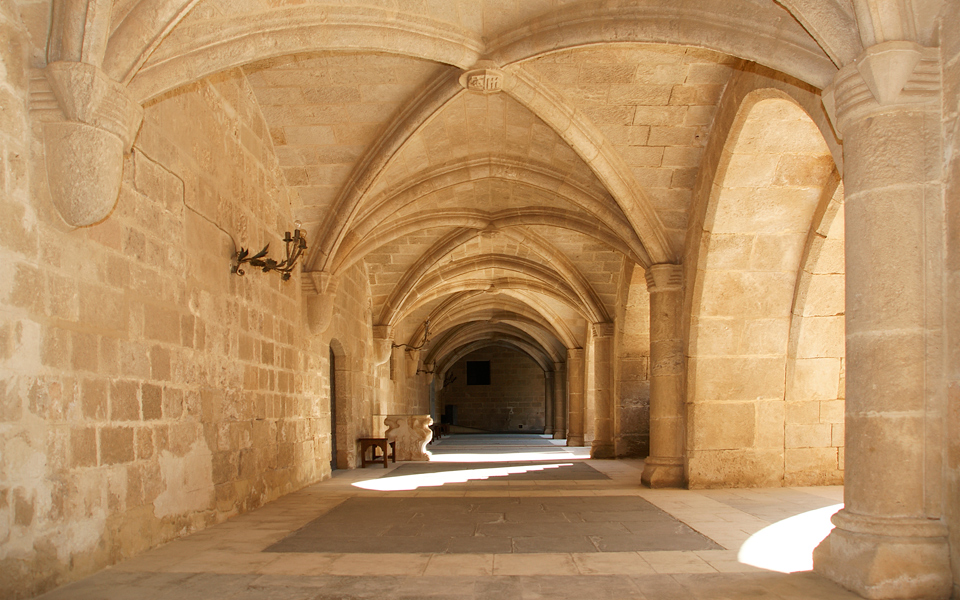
x: 723, y: 235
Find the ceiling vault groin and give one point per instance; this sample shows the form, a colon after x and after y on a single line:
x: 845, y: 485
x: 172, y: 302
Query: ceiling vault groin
x: 533, y: 234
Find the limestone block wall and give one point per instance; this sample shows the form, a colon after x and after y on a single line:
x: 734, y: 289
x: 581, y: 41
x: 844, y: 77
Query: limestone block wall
x: 815, y: 391
x: 763, y: 186
x: 632, y: 366
x: 145, y: 391
x: 950, y: 44
x: 350, y: 336
x: 514, y: 398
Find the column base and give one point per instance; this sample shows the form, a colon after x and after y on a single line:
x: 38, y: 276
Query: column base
x: 602, y: 450
x: 887, y: 558
x: 575, y: 440
x: 662, y: 473
x: 559, y: 435
x: 548, y: 431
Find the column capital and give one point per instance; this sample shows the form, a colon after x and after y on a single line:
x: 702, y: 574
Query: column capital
x: 574, y: 353
x: 603, y: 330
x: 887, y: 76
x: 664, y: 278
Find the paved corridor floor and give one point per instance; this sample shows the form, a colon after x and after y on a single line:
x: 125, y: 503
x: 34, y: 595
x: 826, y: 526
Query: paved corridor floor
x: 500, y: 517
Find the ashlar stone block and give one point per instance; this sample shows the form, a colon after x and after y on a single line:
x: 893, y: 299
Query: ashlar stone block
x: 717, y: 426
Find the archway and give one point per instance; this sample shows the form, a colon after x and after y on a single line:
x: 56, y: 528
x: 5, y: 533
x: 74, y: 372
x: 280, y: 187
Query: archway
x: 769, y: 185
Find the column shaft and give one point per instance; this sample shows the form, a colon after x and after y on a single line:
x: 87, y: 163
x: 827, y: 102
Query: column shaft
x: 602, y: 445
x: 550, y: 382
x: 664, y: 466
x: 890, y: 541
x: 575, y: 396
x: 559, y: 402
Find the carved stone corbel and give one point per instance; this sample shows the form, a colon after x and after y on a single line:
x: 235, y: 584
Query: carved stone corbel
x: 84, y: 154
x: 382, y: 344
x: 320, y: 292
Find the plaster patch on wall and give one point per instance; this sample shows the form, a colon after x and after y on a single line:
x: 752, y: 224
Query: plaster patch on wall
x: 76, y: 536
x: 26, y: 351
x: 187, y: 480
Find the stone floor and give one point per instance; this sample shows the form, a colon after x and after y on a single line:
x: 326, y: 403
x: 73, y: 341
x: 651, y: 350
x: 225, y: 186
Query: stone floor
x: 506, y: 517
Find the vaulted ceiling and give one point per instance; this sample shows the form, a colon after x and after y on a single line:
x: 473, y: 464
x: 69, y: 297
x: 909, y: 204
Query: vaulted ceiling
x: 510, y: 210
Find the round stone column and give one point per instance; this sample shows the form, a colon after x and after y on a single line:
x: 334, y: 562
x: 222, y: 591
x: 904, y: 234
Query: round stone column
x: 602, y: 445
x: 575, y: 396
x: 559, y: 404
x: 890, y: 540
x: 664, y: 467
x: 550, y: 382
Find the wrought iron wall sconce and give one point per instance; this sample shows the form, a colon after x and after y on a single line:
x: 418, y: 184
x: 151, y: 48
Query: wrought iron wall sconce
x: 416, y: 349
x: 295, y: 245
x: 426, y: 338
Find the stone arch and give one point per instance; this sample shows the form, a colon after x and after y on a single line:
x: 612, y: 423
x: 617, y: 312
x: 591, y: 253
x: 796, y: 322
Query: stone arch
x: 465, y: 306
x: 517, y: 287
x: 346, y: 428
x: 457, y: 277
x: 605, y: 219
x: 593, y: 147
x: 190, y: 53
x: 437, y: 94
x: 472, y: 332
x: 769, y: 35
x: 470, y: 222
x: 815, y: 396
x: 536, y: 329
x: 770, y: 179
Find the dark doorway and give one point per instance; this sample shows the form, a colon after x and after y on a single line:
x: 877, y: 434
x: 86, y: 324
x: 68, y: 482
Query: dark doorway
x: 333, y: 411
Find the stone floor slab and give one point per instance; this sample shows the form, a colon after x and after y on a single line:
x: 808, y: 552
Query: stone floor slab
x: 435, y: 551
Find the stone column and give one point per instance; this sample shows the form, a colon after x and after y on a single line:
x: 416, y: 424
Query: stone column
x: 890, y: 539
x: 559, y: 406
x: 603, y: 446
x: 664, y: 466
x: 550, y: 383
x: 575, y: 396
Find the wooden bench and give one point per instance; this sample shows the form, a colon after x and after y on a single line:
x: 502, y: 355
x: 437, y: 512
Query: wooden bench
x: 373, y: 444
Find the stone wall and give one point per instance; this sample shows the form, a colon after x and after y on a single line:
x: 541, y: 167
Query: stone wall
x: 762, y: 191
x: 146, y: 391
x: 632, y: 366
x: 349, y: 335
x: 815, y: 392
x: 514, y: 402
x: 950, y: 41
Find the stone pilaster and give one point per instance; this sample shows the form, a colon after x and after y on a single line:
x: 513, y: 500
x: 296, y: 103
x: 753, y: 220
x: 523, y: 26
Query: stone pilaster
x: 602, y: 445
x: 549, y: 386
x: 890, y: 540
x: 575, y: 396
x: 664, y: 466
x: 559, y: 404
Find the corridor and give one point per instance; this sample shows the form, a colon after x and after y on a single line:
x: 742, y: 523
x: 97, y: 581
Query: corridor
x: 505, y: 517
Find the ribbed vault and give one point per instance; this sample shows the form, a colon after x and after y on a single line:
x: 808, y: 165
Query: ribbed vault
x: 506, y: 215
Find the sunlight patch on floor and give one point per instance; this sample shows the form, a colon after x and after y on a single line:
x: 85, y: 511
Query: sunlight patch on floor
x: 505, y: 457
x: 412, y: 482
x: 787, y: 545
